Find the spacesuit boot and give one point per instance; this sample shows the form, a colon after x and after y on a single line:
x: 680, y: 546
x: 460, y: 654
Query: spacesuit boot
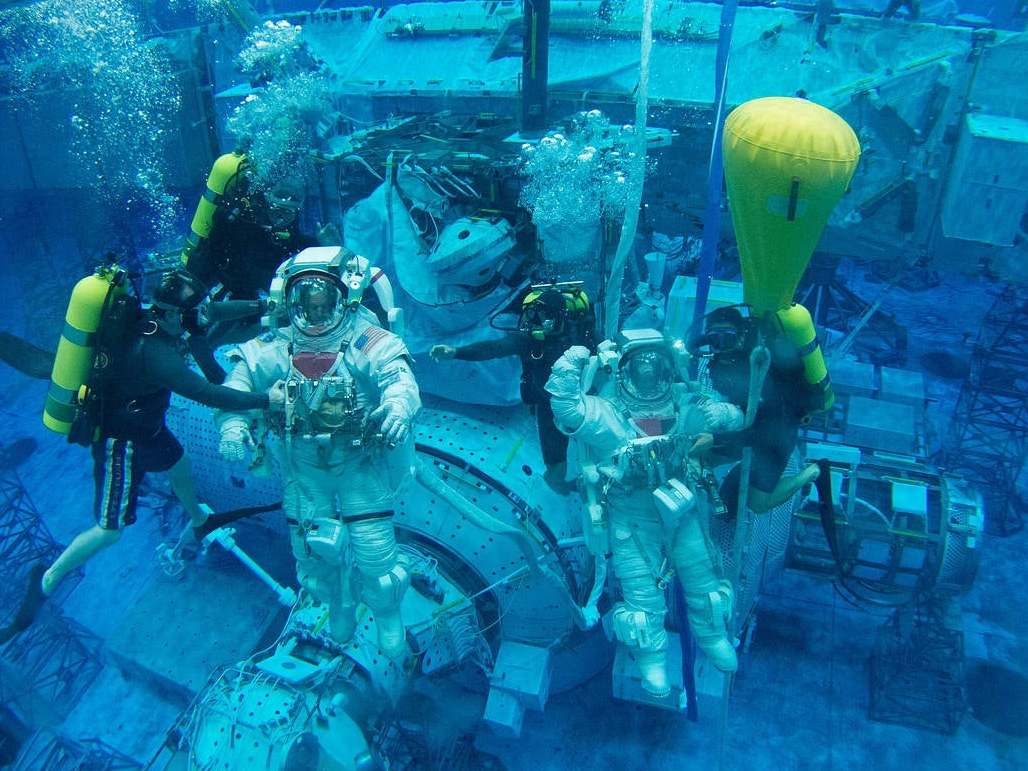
x: 383, y: 580
x: 644, y: 636
x: 653, y: 669
x: 709, y: 600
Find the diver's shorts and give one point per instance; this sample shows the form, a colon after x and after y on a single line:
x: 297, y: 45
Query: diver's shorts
x: 119, y: 466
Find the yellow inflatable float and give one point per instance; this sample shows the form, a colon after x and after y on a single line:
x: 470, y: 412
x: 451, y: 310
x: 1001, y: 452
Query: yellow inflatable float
x: 787, y: 163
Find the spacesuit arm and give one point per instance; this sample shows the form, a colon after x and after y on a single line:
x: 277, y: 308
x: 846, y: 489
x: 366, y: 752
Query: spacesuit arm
x: 383, y: 358
x: 565, y: 389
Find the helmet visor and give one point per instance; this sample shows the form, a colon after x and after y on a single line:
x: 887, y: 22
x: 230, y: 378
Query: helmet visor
x: 646, y: 374
x: 315, y: 305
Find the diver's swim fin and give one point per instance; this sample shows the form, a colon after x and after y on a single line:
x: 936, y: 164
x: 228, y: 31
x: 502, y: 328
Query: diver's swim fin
x: 214, y: 521
x: 30, y: 604
x: 25, y: 357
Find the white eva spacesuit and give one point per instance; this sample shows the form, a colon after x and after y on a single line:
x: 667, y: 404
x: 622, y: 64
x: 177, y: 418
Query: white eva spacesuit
x: 646, y: 506
x: 344, y: 442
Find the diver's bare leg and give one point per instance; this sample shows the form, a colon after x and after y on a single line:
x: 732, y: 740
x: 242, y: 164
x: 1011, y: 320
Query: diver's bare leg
x: 181, y: 477
x: 78, y: 553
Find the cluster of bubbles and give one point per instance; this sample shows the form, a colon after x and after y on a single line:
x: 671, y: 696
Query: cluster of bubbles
x: 275, y: 124
x: 581, y: 174
x: 123, y: 97
x: 273, y: 51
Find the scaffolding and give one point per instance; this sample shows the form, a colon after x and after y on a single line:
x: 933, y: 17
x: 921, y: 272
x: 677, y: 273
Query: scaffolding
x: 989, y: 430
x: 24, y: 540
x: 51, y: 752
x: 917, y: 672
x: 46, y: 669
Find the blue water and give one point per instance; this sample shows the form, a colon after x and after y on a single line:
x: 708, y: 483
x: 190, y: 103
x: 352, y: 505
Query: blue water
x: 402, y: 127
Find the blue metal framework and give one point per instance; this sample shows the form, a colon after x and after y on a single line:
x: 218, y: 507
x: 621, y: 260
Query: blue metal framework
x: 989, y: 431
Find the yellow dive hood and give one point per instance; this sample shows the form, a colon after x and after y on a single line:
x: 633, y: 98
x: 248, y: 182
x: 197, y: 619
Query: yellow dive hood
x: 787, y: 162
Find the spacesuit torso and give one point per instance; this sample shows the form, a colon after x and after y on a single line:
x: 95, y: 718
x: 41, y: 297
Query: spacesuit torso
x: 332, y: 384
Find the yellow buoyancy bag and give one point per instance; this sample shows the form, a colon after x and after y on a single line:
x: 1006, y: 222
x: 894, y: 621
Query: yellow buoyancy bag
x: 798, y: 326
x: 222, y: 172
x: 73, y: 362
x: 787, y: 162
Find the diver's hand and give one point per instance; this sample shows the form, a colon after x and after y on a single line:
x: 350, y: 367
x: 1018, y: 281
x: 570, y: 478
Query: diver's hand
x: 440, y: 352
x: 236, y: 441
x: 395, y: 422
x: 566, y: 377
x: 702, y: 443
x: 277, y: 395
x: 328, y: 234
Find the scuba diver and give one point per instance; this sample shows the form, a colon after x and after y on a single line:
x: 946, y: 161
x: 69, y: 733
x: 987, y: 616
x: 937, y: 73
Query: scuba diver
x: 554, y: 317
x: 635, y: 432
x: 344, y: 443
x: 240, y: 234
x: 786, y: 399
x: 123, y: 421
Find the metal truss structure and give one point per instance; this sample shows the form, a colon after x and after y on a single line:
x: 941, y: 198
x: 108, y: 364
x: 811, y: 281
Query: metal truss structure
x: 50, y: 752
x: 989, y: 431
x: 45, y: 670
x: 24, y: 539
x: 917, y: 672
x: 833, y: 305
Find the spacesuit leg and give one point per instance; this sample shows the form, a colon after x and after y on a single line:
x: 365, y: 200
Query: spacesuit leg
x: 323, y: 575
x: 709, y: 600
x: 638, y: 619
x: 383, y: 579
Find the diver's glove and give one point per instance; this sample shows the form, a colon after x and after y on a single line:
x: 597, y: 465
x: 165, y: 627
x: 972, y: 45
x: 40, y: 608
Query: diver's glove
x: 236, y: 441
x: 395, y: 421
x: 722, y: 416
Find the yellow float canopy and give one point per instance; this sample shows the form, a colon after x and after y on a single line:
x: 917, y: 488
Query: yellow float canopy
x: 787, y: 163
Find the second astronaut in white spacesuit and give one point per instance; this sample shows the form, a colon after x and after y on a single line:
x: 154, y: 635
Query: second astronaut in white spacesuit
x: 645, y: 507
x: 344, y: 442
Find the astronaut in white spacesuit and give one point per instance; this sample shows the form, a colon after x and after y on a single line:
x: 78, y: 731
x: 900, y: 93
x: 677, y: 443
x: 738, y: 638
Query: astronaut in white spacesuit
x: 343, y: 443
x: 645, y: 504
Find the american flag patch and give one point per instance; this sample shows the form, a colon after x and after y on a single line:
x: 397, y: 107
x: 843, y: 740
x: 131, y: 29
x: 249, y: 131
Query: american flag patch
x: 369, y: 338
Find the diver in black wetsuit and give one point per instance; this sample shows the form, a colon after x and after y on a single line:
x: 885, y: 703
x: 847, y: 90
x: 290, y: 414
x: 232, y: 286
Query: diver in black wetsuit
x: 551, y: 321
x: 785, y: 401
x: 132, y: 436
x: 252, y: 231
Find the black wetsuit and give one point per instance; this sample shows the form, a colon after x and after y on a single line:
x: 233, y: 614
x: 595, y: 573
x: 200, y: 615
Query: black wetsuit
x: 785, y: 401
x: 537, y: 359
x: 134, y: 439
x: 243, y: 256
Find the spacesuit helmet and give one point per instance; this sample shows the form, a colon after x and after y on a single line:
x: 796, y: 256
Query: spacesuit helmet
x: 315, y: 290
x: 646, y: 368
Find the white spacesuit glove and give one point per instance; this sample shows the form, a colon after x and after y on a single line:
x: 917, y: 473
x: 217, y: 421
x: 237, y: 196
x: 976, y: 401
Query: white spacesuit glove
x: 722, y: 416
x: 395, y: 421
x: 565, y: 380
x: 236, y: 441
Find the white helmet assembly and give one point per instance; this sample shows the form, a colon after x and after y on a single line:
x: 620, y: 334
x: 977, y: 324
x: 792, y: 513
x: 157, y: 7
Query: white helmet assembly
x: 315, y: 290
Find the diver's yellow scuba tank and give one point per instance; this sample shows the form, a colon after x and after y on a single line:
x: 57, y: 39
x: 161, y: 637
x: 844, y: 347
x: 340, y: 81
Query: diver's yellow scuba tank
x: 798, y: 326
x: 77, y: 349
x: 222, y: 172
x: 787, y: 163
